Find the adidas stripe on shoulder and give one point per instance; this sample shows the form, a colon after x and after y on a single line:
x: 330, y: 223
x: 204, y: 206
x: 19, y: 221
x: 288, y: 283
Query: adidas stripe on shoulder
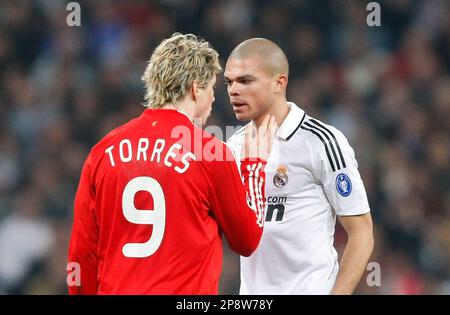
x: 329, y: 141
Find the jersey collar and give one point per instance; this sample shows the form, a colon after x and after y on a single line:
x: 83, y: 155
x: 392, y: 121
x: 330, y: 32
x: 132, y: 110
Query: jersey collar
x: 292, y: 122
x: 167, y: 111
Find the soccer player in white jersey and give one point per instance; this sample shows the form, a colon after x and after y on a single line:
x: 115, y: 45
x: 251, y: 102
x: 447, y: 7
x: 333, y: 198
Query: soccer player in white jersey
x: 312, y: 176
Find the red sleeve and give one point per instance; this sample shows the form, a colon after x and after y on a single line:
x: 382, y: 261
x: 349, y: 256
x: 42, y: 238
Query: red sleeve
x: 239, y: 209
x: 84, y: 239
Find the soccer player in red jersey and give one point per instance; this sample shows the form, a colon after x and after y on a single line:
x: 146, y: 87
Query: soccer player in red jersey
x: 156, y: 193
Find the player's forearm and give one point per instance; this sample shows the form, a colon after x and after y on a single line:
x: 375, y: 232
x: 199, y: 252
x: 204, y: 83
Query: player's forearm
x: 254, y: 183
x: 238, y: 203
x: 354, y: 261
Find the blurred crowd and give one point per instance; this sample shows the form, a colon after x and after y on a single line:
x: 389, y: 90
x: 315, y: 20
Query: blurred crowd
x: 386, y: 88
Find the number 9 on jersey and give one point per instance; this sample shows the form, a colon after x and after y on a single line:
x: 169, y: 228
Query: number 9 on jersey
x: 157, y: 217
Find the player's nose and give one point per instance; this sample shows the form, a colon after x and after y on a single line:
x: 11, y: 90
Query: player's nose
x: 232, y: 89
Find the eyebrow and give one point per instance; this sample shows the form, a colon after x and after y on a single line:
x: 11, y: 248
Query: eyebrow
x: 243, y: 77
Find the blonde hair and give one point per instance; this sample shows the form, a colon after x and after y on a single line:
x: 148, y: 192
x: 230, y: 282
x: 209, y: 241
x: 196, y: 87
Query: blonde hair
x: 175, y: 65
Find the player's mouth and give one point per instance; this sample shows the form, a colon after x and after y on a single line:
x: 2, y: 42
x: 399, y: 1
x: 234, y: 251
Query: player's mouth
x: 238, y: 105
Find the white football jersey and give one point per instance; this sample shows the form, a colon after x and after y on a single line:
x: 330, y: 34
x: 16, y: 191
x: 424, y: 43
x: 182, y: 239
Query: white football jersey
x: 311, y: 176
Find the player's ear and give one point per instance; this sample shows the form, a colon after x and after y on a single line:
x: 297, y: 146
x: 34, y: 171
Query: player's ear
x: 195, y: 91
x: 281, y: 83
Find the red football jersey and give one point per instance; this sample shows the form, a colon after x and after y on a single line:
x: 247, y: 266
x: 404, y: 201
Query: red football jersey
x: 153, y: 198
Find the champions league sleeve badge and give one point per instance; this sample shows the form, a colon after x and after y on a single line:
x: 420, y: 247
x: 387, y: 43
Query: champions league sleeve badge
x: 343, y: 185
x: 281, y: 179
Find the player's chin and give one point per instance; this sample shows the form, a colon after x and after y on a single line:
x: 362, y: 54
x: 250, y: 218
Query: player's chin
x: 242, y: 116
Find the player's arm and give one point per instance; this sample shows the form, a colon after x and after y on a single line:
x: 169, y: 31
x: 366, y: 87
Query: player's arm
x: 239, y: 210
x: 344, y: 188
x: 239, y: 203
x: 84, y: 238
x: 356, y: 253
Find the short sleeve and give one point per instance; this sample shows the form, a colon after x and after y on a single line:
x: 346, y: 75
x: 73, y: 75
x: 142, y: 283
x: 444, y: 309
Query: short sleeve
x: 335, y: 166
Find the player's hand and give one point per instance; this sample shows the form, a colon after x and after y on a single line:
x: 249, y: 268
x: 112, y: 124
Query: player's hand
x: 258, y: 140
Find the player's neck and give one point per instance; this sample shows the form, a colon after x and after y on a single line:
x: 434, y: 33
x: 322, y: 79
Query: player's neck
x: 182, y: 107
x: 280, y: 110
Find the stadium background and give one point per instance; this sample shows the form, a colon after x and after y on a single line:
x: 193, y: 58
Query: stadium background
x: 387, y: 88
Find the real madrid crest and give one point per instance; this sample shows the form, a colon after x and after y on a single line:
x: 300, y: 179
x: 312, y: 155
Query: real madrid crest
x: 281, y: 179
